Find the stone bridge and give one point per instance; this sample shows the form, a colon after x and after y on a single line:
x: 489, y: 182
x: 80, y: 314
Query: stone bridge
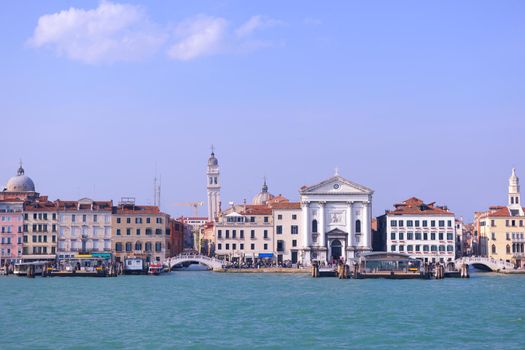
x: 484, y: 263
x: 212, y: 263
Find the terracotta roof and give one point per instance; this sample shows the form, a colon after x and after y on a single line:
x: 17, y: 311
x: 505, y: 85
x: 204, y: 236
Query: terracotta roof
x: 287, y: 205
x: 278, y: 199
x: 255, y: 209
x: 74, y: 206
x: 496, y: 211
x: 40, y: 206
x: 415, y: 206
x: 136, y: 209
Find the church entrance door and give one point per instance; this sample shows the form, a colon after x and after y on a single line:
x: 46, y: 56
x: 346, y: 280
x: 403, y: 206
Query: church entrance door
x: 336, y: 249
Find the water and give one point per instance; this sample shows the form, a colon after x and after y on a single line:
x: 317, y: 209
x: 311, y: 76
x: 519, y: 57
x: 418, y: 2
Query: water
x: 223, y: 311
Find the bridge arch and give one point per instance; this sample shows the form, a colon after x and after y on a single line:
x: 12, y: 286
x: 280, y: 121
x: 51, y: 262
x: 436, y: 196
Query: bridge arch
x: 485, y: 263
x: 211, y: 263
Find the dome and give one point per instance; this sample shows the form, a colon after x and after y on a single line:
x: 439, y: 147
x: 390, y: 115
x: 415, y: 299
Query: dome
x: 263, y: 196
x: 20, y: 182
x: 212, y: 161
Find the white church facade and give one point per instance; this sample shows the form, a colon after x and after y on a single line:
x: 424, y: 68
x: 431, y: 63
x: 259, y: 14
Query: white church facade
x: 336, y: 220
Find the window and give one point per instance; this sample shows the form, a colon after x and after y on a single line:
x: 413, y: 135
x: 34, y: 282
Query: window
x: 493, y: 223
x: 441, y: 236
x: 128, y: 232
x: 410, y: 223
x: 265, y: 219
x: 279, y: 217
x: 227, y: 233
x: 219, y: 234
x: 418, y: 235
x: 138, y: 232
x: 128, y: 220
x: 314, y: 225
x: 393, y: 236
x: 433, y: 236
x: 279, y: 230
x: 400, y: 223
x: 441, y: 223
x: 118, y: 247
x: 148, y: 246
x: 410, y: 235
x: 95, y: 218
x: 450, y: 236
x: 265, y: 234
x: 433, y: 248
x: 358, y: 226
x: 450, y: 248
x: 128, y: 247
x: 234, y: 234
x: 149, y: 232
x: 84, y: 218
x: 294, y: 229
x: 401, y: 248
x: 294, y: 243
x: 73, y: 218
x: 294, y: 216
x: 138, y: 246
x: 241, y: 246
x: 241, y: 234
x: 493, y: 236
x: 417, y: 223
x: 280, y: 245
x: 393, y: 223
x: 252, y: 219
x: 158, y: 231
x: 401, y: 236
x: 410, y: 248
x: 418, y: 248
x: 425, y: 248
x: 441, y: 248
x: 508, y: 249
x: 432, y: 223
x: 449, y: 223
x: 252, y: 234
x: 393, y: 248
x: 118, y: 220
x: 425, y: 236
x: 158, y: 247
x: 219, y: 246
x: 265, y: 246
x: 425, y: 223
x: 252, y: 246
x: 148, y: 220
x: 227, y: 246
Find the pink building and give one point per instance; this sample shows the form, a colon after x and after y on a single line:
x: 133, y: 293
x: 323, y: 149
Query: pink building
x: 11, y: 225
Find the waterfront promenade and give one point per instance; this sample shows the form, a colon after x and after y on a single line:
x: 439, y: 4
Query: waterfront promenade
x: 204, y: 310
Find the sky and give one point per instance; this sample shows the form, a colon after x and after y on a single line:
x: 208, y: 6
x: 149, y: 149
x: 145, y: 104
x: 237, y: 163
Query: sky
x: 409, y: 98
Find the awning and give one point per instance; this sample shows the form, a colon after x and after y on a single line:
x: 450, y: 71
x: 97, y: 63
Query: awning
x: 265, y: 255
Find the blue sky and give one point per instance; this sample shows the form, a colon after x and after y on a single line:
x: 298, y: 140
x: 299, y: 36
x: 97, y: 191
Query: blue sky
x: 409, y: 98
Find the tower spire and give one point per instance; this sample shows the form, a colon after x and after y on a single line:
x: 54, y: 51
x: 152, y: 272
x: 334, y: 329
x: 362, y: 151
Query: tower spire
x: 514, y: 191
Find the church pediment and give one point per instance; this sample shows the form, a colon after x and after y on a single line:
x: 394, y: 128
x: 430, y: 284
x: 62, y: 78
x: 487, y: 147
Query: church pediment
x: 336, y: 185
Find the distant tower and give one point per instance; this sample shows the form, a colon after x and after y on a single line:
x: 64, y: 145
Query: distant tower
x: 514, y: 191
x: 214, y: 187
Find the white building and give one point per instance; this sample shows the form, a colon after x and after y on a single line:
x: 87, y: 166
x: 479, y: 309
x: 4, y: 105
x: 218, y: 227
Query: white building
x: 287, y: 221
x: 336, y: 216
x: 213, y: 187
x: 423, y: 231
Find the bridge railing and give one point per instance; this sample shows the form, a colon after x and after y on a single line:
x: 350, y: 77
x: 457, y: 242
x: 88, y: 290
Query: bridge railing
x: 195, y: 257
x: 487, y: 261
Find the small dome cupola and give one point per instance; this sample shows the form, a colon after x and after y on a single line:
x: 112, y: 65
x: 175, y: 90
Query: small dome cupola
x: 20, y: 182
x: 264, y: 196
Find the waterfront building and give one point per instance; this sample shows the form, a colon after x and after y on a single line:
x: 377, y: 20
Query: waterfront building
x: 11, y: 226
x: 246, y: 231
x: 139, y: 231
x: 287, y: 221
x: 336, y: 215
x: 423, y: 231
x: 83, y: 226
x: 40, y: 230
x: 213, y: 187
x: 501, y: 229
x: 176, y: 237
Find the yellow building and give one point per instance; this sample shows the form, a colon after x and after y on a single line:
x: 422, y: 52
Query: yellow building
x: 139, y: 231
x: 502, y: 228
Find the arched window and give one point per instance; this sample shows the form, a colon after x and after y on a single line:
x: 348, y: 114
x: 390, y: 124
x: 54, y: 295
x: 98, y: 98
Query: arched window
x: 138, y: 246
x: 158, y: 247
x: 118, y: 247
x: 493, y: 249
x: 148, y: 246
x: 358, y: 226
x: 314, y: 225
x: 508, y: 249
x: 128, y: 246
x: 511, y: 200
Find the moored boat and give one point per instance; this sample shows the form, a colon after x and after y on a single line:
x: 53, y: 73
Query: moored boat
x: 155, y: 269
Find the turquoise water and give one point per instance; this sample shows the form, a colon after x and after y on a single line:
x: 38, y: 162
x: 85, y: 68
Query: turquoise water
x: 213, y: 310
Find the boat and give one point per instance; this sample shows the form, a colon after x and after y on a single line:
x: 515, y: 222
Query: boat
x: 155, y: 269
x: 134, y: 266
x: 29, y: 268
x: 85, y: 265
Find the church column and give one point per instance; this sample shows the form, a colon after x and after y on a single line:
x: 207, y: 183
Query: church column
x: 321, y: 225
x: 306, y: 224
x: 350, y: 222
x: 365, y: 229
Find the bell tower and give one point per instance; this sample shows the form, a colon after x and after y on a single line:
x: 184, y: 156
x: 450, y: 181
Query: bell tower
x: 213, y: 187
x: 514, y: 200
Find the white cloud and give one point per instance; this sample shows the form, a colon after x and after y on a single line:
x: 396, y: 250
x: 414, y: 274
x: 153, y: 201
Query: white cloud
x: 111, y: 32
x: 256, y: 23
x: 199, y: 36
